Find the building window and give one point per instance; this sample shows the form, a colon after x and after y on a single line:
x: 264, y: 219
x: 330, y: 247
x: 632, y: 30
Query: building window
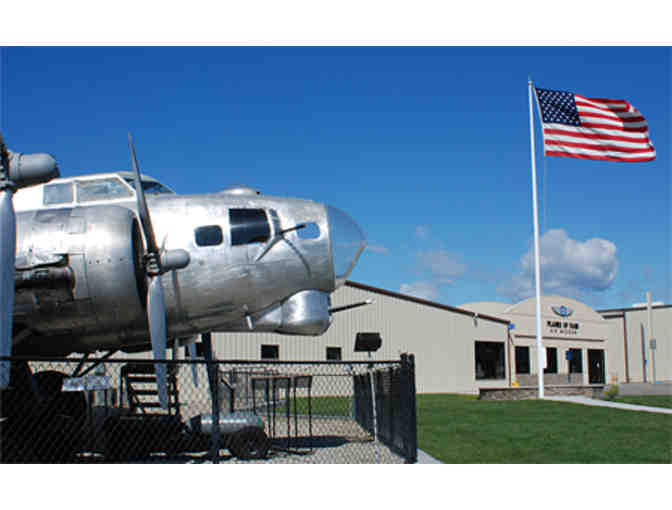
x: 490, y: 360
x: 334, y: 354
x: 270, y: 352
x: 249, y: 226
x: 209, y: 236
x: 551, y: 360
x: 522, y: 360
x: 575, y: 361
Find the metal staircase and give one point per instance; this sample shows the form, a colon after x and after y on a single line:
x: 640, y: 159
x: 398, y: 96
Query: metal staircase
x: 138, y: 385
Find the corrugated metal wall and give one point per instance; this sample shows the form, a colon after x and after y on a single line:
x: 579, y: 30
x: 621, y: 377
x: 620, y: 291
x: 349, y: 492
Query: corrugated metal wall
x: 442, y: 340
x: 639, y: 345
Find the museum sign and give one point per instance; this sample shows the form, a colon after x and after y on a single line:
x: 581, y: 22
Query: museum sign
x: 562, y: 327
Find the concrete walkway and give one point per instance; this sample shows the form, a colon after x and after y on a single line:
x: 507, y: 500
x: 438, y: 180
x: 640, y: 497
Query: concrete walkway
x: 605, y: 403
x: 425, y: 458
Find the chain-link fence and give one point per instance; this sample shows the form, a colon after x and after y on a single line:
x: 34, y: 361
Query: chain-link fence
x: 394, y: 416
x: 108, y: 410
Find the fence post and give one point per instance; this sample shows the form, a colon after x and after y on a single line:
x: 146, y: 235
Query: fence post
x: 408, y: 365
x: 213, y: 370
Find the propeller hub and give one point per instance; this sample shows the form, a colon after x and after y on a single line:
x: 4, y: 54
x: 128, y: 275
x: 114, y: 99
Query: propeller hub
x: 152, y: 264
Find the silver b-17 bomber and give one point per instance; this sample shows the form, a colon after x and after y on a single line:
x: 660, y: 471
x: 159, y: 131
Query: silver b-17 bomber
x: 119, y: 262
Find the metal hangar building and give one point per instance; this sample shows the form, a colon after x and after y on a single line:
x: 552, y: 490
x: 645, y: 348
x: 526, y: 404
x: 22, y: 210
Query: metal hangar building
x: 480, y: 345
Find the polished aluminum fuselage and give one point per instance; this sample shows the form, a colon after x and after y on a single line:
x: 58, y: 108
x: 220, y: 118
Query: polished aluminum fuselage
x: 80, y: 283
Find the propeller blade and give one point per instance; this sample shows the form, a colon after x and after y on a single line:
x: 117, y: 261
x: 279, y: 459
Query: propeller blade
x: 7, y: 260
x: 143, y: 211
x: 156, y: 315
x: 191, y: 354
x: 156, y: 304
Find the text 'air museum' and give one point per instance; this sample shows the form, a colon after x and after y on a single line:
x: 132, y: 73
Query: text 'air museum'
x: 482, y: 346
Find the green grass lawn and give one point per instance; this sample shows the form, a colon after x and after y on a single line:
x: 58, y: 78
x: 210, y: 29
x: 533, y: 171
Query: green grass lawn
x: 320, y: 406
x: 459, y: 429
x: 647, y: 400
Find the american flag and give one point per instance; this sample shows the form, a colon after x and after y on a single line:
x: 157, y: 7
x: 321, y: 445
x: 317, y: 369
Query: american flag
x: 591, y: 128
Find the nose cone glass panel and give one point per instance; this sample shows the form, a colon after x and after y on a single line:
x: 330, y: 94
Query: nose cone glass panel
x: 347, y: 243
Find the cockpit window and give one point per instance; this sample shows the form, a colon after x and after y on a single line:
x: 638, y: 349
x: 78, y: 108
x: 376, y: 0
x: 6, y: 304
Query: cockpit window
x: 59, y: 193
x: 150, y: 187
x: 101, y: 189
x: 248, y: 226
x: 310, y: 230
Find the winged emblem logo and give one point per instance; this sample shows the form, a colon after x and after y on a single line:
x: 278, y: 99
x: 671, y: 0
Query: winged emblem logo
x: 562, y: 311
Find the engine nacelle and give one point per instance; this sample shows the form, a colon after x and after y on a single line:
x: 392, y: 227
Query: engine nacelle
x: 30, y: 169
x: 114, y: 271
x: 101, y: 248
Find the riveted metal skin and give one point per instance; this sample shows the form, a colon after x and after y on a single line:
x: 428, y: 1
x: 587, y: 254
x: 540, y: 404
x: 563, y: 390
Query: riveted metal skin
x: 280, y: 284
x: 100, y: 248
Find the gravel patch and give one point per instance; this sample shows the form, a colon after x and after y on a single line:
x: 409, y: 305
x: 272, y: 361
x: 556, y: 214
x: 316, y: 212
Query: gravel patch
x: 335, y: 441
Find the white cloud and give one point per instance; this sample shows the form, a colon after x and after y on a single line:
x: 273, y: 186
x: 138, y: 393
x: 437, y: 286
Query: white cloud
x: 442, y: 265
x: 436, y: 268
x: 423, y: 290
x: 568, y: 267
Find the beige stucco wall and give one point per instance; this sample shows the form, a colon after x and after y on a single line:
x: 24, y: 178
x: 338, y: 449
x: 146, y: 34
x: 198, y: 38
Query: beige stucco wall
x: 621, y: 333
x: 592, y: 326
x: 593, y: 332
x: 563, y: 365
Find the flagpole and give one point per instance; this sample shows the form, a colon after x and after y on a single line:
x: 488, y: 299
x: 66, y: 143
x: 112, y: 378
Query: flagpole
x: 537, y: 265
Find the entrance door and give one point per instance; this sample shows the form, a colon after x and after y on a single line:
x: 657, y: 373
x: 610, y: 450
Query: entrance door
x: 595, y: 366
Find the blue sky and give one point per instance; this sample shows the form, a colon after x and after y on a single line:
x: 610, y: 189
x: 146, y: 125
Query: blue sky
x: 427, y: 148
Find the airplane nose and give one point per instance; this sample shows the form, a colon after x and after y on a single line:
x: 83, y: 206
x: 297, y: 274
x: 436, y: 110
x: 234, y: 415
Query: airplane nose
x: 347, y: 243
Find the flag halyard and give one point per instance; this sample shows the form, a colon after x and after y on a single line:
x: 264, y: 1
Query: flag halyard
x: 593, y: 128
